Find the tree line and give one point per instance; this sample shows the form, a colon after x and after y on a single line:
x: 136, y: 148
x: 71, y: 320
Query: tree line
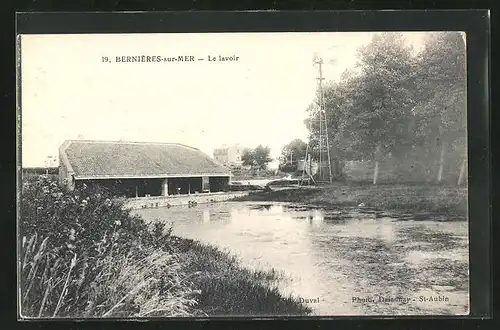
x: 257, y: 158
x: 398, y: 104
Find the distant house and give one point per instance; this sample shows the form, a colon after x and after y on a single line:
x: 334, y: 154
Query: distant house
x: 229, y: 156
x: 137, y: 169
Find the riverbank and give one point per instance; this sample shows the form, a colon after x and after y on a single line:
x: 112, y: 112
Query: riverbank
x: 84, y: 255
x: 442, y: 200
x: 228, y: 289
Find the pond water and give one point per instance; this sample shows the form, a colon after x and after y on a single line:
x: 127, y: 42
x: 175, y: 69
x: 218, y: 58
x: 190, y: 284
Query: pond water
x: 340, y: 261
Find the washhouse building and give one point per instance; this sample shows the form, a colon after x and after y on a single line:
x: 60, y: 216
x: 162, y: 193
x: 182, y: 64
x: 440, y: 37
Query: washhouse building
x: 139, y: 169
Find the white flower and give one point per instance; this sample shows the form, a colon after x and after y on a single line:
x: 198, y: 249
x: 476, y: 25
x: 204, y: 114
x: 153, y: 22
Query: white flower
x: 118, y: 223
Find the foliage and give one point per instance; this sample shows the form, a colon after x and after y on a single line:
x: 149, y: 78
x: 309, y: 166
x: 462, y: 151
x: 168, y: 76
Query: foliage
x: 397, y: 102
x: 83, y: 255
x: 229, y: 289
x: 257, y: 158
x: 291, y: 154
x: 248, y: 158
x: 382, y: 112
x: 441, y: 111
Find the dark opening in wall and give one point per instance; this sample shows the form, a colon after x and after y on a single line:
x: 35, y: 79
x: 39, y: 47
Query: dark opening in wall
x: 184, y: 186
x: 219, y: 184
x: 126, y: 187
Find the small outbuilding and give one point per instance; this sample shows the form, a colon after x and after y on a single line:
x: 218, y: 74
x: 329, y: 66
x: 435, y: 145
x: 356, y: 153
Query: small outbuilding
x: 139, y: 169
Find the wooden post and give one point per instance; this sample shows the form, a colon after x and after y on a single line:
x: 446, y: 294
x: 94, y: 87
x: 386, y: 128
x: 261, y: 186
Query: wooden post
x: 205, y: 183
x: 164, y: 187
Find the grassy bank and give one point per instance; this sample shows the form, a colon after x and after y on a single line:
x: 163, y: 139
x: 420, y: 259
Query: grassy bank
x: 227, y: 288
x: 406, y: 198
x: 83, y: 255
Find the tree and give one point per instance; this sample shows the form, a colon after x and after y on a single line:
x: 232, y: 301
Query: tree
x: 291, y: 154
x: 441, y: 110
x: 257, y: 158
x: 369, y: 113
x: 399, y: 105
x: 341, y: 107
x: 248, y: 158
x: 262, y: 156
x: 387, y: 101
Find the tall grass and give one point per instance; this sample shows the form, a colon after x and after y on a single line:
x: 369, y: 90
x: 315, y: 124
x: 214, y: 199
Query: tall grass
x: 83, y: 255
x: 227, y: 288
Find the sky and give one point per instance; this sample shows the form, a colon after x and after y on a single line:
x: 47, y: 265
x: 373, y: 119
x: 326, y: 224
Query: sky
x: 68, y: 92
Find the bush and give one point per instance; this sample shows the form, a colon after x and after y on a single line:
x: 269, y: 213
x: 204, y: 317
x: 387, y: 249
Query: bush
x: 83, y: 255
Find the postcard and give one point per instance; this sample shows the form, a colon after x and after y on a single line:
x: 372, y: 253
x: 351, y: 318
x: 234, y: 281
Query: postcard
x: 243, y: 174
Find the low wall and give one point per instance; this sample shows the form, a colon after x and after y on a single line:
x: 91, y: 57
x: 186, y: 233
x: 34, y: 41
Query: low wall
x: 166, y: 201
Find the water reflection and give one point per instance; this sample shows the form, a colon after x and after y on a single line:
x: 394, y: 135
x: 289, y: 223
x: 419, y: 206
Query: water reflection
x: 385, y: 231
x: 262, y: 207
x: 317, y: 218
x: 206, y: 215
x: 330, y: 254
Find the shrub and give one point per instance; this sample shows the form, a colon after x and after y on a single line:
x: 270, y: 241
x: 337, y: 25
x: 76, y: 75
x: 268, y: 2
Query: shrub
x: 83, y: 255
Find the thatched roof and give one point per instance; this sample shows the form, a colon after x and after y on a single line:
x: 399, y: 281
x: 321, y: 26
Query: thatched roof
x: 103, y: 159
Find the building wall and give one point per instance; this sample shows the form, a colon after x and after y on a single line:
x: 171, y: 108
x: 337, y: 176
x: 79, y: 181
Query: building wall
x: 229, y: 155
x: 179, y: 200
x: 65, y: 173
x: 234, y: 155
x: 221, y: 156
x: 156, y: 187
